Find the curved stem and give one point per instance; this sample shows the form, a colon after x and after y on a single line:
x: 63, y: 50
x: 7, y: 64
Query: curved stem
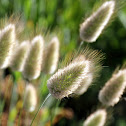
x: 79, y: 48
x: 40, y: 108
x: 54, y: 112
x: 21, y: 110
x: 80, y: 45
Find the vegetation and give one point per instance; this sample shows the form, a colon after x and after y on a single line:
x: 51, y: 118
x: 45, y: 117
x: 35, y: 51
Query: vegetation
x: 44, y: 49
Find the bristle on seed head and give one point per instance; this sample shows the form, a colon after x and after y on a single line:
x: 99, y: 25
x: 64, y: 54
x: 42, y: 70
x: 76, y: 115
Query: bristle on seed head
x: 92, y: 60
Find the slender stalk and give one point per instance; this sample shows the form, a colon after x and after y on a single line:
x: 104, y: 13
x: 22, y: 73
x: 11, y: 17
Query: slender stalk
x: 79, y: 48
x: 14, y: 96
x: 80, y: 45
x: 53, y: 115
x: 20, y: 112
x: 40, y: 108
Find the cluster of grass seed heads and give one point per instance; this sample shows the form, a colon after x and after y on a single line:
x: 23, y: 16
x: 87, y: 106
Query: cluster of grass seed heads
x: 30, y: 58
x: 110, y: 94
x: 7, y: 42
x: 72, y: 78
x: 30, y: 98
x: 51, y: 56
x: 92, y: 27
x: 97, y: 118
x: 32, y: 66
x: 19, y: 57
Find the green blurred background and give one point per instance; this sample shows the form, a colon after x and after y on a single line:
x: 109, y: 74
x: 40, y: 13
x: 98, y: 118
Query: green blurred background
x: 64, y: 17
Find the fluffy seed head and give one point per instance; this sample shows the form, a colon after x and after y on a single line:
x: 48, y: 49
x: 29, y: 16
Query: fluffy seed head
x: 66, y: 81
x: 51, y: 56
x: 32, y: 67
x: 92, y: 27
x: 7, y: 42
x: 98, y: 118
x: 30, y: 98
x: 19, y: 57
x: 110, y: 94
x: 73, y: 79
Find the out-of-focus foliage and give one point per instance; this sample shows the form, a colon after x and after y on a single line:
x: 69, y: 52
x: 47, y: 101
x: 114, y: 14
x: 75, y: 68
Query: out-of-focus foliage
x: 63, y: 18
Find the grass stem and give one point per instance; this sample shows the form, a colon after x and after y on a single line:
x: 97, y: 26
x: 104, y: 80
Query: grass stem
x: 40, y: 108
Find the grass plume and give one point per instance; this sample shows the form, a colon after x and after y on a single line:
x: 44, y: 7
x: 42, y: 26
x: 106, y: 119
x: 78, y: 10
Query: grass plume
x: 30, y: 98
x: 97, y: 118
x: 73, y: 77
x: 19, y: 57
x: 93, y: 26
x: 7, y: 42
x: 51, y: 56
x: 32, y: 67
x: 110, y: 94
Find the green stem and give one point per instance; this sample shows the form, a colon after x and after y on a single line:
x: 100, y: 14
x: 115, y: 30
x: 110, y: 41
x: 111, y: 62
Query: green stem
x: 40, y: 108
x: 53, y: 115
x: 13, y: 99
x: 79, y: 48
x: 20, y: 112
x: 80, y: 45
